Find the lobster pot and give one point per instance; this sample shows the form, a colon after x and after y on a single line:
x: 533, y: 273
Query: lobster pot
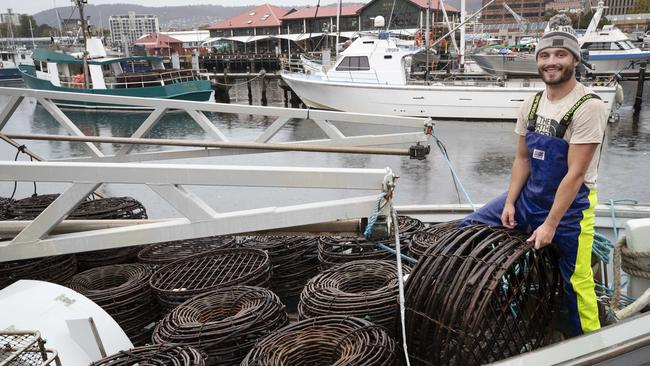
x: 107, y: 257
x: 160, y: 254
x: 294, y: 260
x: 333, y: 250
x: 98, y: 209
x: 423, y: 239
x: 480, y: 295
x: 56, y: 269
x: 326, y: 340
x: 4, y: 206
x: 224, y: 323
x: 185, y: 278
x: 122, y: 290
x: 365, y: 289
x: 159, y: 354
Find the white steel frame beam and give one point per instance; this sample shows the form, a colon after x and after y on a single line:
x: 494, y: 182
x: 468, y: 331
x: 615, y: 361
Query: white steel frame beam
x: 159, y: 107
x: 199, y: 219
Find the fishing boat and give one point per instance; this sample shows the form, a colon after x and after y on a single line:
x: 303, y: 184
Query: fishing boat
x: 373, y: 76
x: 9, y: 62
x: 90, y: 70
x: 608, y: 51
x: 134, y: 76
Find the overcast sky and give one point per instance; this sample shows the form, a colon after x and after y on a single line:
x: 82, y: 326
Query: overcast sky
x: 34, y: 6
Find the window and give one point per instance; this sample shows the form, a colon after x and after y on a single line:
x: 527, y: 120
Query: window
x: 354, y: 63
x: 44, y: 67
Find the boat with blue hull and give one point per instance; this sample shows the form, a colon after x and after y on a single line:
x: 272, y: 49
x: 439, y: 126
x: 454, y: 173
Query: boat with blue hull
x: 10, y: 60
x: 134, y: 76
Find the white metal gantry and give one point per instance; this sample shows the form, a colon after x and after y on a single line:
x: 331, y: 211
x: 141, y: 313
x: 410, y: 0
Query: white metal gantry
x: 199, y: 219
x: 196, y: 110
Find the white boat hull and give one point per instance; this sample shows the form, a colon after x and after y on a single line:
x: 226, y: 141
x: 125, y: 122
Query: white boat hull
x: 437, y: 101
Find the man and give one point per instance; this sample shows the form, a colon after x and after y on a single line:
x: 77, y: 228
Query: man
x: 552, y: 190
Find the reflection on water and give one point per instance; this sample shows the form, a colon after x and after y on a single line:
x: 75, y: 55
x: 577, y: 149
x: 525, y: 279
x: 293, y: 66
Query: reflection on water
x: 482, y: 152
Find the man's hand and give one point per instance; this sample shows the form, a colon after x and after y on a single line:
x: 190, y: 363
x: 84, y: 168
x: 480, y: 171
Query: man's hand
x: 508, y: 216
x: 542, y: 236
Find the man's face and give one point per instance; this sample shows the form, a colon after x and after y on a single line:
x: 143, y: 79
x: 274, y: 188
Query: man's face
x: 556, y: 65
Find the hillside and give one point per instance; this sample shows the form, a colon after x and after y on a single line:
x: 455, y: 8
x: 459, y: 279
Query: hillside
x: 170, y: 17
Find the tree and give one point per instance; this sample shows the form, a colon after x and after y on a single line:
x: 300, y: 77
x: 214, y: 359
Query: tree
x: 641, y: 6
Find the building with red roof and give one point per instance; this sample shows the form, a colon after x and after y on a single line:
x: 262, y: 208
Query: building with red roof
x: 159, y: 44
x: 261, y: 20
x: 267, y: 28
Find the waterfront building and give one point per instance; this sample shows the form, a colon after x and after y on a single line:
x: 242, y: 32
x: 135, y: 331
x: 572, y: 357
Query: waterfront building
x: 619, y: 7
x: 631, y: 23
x: 125, y: 29
x: 270, y: 29
x: 190, y: 39
x: 571, y: 6
x: 530, y: 10
x: 158, y: 44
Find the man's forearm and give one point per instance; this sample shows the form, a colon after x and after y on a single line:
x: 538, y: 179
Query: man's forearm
x: 566, y: 193
x: 520, y: 173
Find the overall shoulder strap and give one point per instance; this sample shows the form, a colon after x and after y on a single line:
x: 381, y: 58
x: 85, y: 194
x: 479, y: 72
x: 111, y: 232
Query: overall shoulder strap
x: 532, y: 114
x: 568, y: 116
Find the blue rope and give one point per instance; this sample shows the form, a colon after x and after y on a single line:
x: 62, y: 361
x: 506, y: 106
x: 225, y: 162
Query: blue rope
x: 369, y: 227
x: 445, y: 155
x: 601, y: 247
x: 394, y: 252
x: 612, y: 209
x: 372, y: 219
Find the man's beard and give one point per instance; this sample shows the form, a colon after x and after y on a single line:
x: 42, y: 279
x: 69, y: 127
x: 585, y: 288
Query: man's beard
x: 565, y: 75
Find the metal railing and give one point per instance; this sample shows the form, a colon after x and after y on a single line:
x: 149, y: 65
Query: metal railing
x: 197, y: 110
x: 87, y: 174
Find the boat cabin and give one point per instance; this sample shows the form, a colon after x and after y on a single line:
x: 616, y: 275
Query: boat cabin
x: 66, y: 70
x: 373, y: 58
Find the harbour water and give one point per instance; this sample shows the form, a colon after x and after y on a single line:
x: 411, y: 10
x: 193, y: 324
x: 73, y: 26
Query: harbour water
x: 481, y: 152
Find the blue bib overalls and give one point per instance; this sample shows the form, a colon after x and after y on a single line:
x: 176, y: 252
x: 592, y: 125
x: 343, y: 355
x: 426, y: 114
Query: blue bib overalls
x: 574, y: 235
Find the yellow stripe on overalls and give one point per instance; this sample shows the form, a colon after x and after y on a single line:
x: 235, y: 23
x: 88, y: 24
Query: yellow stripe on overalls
x: 582, y: 278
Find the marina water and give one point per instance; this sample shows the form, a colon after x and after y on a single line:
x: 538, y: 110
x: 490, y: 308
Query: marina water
x: 482, y: 153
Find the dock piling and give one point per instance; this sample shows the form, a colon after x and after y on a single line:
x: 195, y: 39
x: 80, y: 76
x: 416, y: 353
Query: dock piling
x: 264, y: 101
x: 248, y: 86
x: 639, y: 88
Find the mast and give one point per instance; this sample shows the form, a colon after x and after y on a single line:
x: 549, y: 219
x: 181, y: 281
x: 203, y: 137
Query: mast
x: 463, y: 15
x: 426, y: 36
x: 338, y: 30
x: 85, y: 35
x: 31, y: 30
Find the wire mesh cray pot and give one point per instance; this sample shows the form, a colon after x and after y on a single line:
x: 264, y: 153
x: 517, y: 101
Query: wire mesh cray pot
x: 333, y: 250
x: 327, y: 340
x: 56, y: 269
x: 160, y: 354
x: 25, y: 348
x: 294, y: 261
x: 107, y: 257
x: 180, y: 280
x: 164, y: 253
x: 423, y: 239
x: 479, y: 295
x: 365, y: 289
x: 122, y: 290
x: 105, y: 208
x: 225, y: 323
x: 4, y: 206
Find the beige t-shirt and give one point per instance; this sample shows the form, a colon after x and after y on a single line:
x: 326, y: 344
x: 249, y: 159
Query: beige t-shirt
x: 587, y: 126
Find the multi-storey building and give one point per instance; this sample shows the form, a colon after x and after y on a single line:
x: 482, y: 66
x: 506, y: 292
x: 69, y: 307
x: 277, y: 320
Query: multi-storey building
x: 531, y: 10
x: 619, y: 7
x: 128, y: 28
x: 10, y: 17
